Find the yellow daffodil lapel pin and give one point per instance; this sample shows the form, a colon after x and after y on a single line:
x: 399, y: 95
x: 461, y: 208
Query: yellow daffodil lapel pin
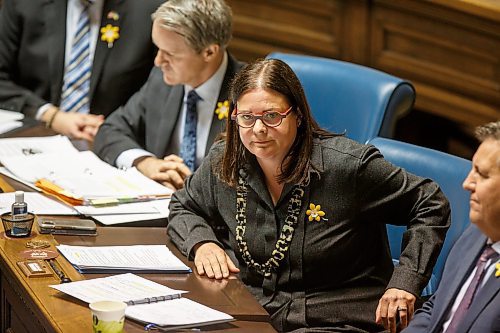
x: 222, y: 110
x: 109, y: 34
x: 497, y: 271
x: 315, y: 213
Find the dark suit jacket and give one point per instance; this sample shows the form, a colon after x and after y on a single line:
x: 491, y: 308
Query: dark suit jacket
x: 148, y: 119
x: 32, y: 46
x: 484, y: 314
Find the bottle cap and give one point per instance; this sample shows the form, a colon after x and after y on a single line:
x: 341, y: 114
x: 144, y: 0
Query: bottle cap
x: 19, y: 196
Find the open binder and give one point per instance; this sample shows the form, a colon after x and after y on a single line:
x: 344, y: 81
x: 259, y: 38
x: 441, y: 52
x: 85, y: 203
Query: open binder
x: 148, y: 302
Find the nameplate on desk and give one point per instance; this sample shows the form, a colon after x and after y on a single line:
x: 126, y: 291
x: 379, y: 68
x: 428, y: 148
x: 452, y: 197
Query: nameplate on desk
x: 34, y: 268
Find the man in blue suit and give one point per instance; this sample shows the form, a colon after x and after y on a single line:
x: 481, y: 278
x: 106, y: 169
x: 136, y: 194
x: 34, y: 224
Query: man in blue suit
x: 468, y: 298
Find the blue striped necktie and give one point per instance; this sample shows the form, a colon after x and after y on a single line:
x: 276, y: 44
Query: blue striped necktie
x: 188, y: 146
x: 75, y: 93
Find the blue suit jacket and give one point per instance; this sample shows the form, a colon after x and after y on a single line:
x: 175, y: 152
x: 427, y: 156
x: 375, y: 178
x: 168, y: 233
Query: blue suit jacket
x: 484, y: 313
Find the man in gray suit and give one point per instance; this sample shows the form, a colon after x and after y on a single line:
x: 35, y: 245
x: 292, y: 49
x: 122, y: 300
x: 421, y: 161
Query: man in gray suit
x: 468, y: 298
x: 149, y: 131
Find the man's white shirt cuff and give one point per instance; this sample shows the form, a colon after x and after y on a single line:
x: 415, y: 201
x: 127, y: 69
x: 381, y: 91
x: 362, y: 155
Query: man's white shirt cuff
x: 126, y: 159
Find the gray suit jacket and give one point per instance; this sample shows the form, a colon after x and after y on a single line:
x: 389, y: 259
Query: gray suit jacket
x: 148, y: 119
x: 32, y: 46
x: 484, y: 313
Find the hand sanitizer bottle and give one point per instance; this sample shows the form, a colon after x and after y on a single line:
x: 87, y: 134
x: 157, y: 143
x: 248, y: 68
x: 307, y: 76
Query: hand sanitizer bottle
x: 19, y: 212
x: 19, y: 208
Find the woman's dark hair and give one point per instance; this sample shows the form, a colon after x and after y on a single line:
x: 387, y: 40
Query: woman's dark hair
x: 275, y: 75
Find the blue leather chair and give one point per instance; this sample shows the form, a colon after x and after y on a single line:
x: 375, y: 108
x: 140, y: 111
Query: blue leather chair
x: 449, y: 172
x: 345, y: 97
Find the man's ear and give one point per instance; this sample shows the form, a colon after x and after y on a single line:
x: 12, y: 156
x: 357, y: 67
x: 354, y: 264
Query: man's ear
x: 211, y: 52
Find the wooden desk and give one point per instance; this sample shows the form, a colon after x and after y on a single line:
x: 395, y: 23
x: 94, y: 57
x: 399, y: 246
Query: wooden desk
x: 29, y: 305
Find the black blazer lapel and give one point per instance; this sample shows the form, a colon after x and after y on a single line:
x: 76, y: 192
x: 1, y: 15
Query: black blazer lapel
x: 55, y: 22
x: 102, y: 50
x: 219, y: 125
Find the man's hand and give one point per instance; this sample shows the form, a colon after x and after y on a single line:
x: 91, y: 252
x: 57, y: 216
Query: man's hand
x: 394, y: 303
x: 73, y: 125
x: 212, y: 261
x: 170, y: 171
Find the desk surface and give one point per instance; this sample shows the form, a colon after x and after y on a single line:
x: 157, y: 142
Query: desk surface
x: 61, y: 313
x: 56, y: 312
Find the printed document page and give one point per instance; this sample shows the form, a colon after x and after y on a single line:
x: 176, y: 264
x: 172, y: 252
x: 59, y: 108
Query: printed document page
x: 35, y: 145
x: 123, y: 287
x: 9, y: 174
x: 83, y: 175
x: 160, y: 205
x: 152, y: 207
x: 148, y: 301
x: 131, y: 257
x: 37, y: 204
x: 178, y: 312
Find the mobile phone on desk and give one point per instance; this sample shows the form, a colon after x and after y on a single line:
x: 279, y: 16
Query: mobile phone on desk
x: 65, y: 226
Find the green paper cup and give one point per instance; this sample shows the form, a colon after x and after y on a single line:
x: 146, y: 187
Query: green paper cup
x: 108, y: 316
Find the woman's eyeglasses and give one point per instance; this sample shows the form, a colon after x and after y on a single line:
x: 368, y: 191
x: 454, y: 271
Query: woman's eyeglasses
x: 270, y: 118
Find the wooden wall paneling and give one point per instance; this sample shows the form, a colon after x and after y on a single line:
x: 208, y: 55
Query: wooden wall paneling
x: 308, y: 26
x: 452, y: 57
x: 355, y: 34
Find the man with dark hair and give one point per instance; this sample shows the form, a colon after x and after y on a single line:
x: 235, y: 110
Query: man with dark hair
x: 167, y: 127
x: 468, y: 297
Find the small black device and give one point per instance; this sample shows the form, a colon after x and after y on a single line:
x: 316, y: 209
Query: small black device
x: 66, y: 226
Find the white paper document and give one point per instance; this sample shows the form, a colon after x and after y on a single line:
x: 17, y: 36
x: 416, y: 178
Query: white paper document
x: 10, y: 120
x: 138, y: 258
x: 81, y: 174
x: 177, y: 313
x: 139, y: 208
x: 160, y: 205
x: 9, y: 174
x: 123, y: 287
x: 37, y: 204
x: 6, y: 116
x: 148, y: 301
x: 36, y: 145
x: 9, y: 126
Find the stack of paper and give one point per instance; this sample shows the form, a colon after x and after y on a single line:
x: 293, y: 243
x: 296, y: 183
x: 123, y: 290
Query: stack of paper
x: 81, y: 179
x: 148, y: 301
x: 115, y: 259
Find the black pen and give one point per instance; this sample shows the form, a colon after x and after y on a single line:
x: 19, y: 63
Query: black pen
x: 59, y: 272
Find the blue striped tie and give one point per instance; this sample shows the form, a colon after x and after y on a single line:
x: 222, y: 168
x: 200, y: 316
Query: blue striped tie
x: 75, y: 93
x: 188, y: 146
